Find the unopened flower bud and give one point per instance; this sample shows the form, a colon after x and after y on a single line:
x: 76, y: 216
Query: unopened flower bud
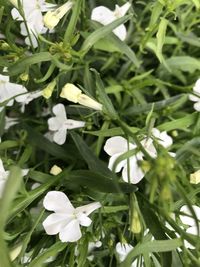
x: 52, y: 18
x: 195, y: 177
x: 47, y: 91
x: 135, y: 223
x: 74, y: 94
x: 55, y: 170
x: 24, y: 77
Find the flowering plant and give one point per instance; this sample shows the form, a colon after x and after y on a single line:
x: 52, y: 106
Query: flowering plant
x: 99, y: 133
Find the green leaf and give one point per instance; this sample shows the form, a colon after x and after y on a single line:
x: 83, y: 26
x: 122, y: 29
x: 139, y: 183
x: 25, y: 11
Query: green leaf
x: 183, y: 63
x: 50, y: 252
x: 151, y: 247
x: 22, y: 64
x: 94, y: 163
x: 161, y: 38
x: 9, y: 193
x: 102, y: 32
x: 99, y: 182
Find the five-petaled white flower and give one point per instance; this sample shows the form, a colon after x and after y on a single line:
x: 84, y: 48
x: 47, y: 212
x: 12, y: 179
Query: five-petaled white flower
x: 105, y: 16
x: 117, y: 145
x: 66, y: 219
x: 196, y: 97
x: 59, y: 124
x: 4, y: 175
x: 32, y: 10
x: 188, y: 219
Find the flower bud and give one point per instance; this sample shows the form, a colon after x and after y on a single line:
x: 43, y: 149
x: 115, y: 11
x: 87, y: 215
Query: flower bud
x: 195, y: 177
x: 74, y: 94
x: 71, y: 93
x: 47, y: 91
x: 24, y: 77
x: 135, y: 223
x: 52, y: 18
x: 55, y: 170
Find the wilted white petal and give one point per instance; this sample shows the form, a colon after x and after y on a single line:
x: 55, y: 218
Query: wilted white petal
x: 55, y: 222
x: 103, y: 15
x: 89, y: 208
x: 71, y: 232
x: 58, y: 202
x: 60, y: 136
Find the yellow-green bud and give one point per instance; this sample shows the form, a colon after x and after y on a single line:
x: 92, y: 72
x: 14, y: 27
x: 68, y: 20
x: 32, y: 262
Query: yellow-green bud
x: 195, y: 177
x: 24, y: 77
x: 55, y: 170
x: 47, y: 91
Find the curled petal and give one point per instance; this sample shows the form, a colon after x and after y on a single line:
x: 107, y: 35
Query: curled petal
x: 58, y: 202
x: 71, y: 232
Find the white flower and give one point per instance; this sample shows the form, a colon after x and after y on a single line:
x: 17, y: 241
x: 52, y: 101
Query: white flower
x: 196, y: 97
x: 66, y: 219
x: 105, y: 16
x: 59, y: 124
x: 189, y: 220
x: 27, y: 98
x: 116, y: 146
x: 74, y: 94
x: 9, y: 90
x: 162, y: 137
x: 4, y: 175
x: 123, y: 250
x: 52, y: 18
x: 33, y: 14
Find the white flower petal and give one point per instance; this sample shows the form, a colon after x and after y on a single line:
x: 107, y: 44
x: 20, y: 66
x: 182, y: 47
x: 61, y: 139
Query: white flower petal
x: 121, y: 32
x: 117, y: 144
x: 58, y: 202
x: 103, y: 15
x: 84, y: 220
x: 55, y: 222
x: 196, y: 87
x: 59, y: 111
x: 2, y: 170
x: 188, y: 220
x: 194, y: 98
x: 72, y: 124
x: 149, y: 147
x: 163, y: 138
x: 121, y: 11
x: 60, y: 136
x: 197, y: 106
x: 136, y: 173
x: 89, y: 208
x: 54, y: 124
x: 119, y: 166
x: 123, y: 250
x: 71, y: 232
